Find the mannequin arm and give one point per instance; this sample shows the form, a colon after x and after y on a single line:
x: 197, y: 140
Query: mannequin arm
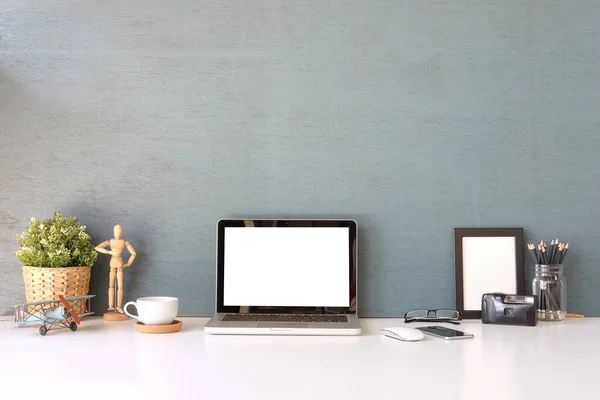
x: 101, y: 248
x: 133, y: 254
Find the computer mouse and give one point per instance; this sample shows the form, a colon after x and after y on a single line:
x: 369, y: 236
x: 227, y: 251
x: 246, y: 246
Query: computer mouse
x: 403, y: 333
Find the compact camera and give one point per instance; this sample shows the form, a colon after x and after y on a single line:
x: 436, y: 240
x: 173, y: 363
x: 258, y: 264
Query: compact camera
x: 508, y: 309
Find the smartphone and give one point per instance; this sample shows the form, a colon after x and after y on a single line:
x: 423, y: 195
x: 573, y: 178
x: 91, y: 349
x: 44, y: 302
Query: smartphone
x: 445, y: 333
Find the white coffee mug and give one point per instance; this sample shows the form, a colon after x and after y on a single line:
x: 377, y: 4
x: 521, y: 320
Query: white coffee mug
x: 154, y: 310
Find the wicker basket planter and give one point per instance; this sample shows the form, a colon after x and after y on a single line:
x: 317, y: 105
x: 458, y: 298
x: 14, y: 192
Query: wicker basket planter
x: 49, y: 283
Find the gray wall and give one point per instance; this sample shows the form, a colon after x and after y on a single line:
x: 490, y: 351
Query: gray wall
x: 414, y: 117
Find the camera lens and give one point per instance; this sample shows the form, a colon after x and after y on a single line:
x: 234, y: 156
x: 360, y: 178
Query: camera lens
x: 509, y: 312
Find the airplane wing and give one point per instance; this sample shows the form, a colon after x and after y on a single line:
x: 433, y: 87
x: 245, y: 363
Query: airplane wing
x: 89, y: 296
x: 38, y: 303
x: 57, y: 301
x: 85, y: 314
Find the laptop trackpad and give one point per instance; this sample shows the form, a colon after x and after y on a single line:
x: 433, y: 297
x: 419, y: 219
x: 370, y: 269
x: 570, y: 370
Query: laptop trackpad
x: 282, y: 325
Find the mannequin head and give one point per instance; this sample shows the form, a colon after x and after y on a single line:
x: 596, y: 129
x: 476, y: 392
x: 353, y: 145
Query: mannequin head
x: 118, y: 231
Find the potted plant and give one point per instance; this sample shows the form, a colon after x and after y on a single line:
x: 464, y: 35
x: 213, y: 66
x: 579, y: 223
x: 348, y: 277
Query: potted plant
x: 57, y: 255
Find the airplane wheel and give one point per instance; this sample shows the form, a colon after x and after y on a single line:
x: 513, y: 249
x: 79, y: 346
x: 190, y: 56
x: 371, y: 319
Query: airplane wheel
x: 73, y: 326
x: 43, y: 330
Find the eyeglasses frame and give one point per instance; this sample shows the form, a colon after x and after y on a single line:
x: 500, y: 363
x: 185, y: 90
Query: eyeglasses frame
x: 433, y: 319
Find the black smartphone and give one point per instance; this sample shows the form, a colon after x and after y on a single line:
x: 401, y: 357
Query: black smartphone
x: 445, y: 333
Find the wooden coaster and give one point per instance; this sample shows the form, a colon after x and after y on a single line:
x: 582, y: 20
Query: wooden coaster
x: 174, y: 326
x: 115, y: 316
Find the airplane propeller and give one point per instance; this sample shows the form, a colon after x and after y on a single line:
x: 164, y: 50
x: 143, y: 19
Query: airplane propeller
x: 70, y: 309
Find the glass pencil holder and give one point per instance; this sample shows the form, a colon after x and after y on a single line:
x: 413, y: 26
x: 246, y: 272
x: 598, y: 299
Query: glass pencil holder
x: 550, y: 286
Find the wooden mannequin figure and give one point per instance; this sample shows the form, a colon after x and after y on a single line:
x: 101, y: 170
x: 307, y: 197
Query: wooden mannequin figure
x: 116, y: 271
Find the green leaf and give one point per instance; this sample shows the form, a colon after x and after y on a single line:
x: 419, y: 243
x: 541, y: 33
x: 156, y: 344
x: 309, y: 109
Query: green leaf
x: 56, y: 242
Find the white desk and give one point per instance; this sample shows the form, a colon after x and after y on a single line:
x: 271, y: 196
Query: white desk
x: 113, y: 361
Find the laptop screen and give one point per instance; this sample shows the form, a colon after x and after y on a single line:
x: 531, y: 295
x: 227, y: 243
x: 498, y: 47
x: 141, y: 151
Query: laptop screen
x: 287, y: 265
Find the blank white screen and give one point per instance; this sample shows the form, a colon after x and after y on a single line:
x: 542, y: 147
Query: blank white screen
x: 489, y: 265
x: 287, y: 267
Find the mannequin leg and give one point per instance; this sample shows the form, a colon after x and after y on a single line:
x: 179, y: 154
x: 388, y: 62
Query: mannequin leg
x: 111, y: 290
x: 120, y: 290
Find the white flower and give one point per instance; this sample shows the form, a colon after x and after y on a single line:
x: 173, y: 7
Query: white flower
x: 41, y: 226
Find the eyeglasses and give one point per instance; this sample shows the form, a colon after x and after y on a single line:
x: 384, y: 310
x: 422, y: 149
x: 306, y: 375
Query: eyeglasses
x: 451, y: 316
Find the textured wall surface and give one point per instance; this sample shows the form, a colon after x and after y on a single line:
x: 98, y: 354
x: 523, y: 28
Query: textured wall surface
x: 413, y: 117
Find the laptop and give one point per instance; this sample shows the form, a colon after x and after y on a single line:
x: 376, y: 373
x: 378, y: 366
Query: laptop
x: 286, y: 277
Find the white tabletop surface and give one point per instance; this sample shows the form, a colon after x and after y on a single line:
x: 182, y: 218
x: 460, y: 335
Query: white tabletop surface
x: 110, y: 361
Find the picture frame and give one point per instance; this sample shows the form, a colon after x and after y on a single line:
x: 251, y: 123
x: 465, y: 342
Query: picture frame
x: 487, y: 260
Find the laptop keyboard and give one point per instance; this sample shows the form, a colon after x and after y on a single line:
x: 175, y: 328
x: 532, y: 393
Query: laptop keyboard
x: 285, y: 317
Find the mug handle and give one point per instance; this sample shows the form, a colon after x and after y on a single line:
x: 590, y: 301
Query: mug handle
x: 131, y: 315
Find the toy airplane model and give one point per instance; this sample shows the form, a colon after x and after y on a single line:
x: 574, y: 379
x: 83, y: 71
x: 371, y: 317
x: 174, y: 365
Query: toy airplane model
x: 53, y: 314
